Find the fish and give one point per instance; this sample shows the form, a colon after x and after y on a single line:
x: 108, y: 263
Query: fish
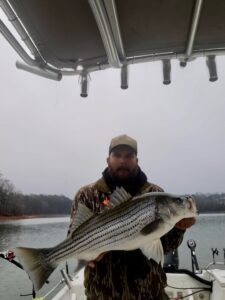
x: 126, y: 223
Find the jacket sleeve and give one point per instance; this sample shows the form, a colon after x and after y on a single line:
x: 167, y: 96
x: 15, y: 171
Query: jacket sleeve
x: 89, y: 197
x: 79, y: 197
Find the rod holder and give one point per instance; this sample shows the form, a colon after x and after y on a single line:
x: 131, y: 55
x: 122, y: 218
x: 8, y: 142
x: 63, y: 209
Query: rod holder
x: 192, y: 245
x: 214, y: 252
x: 183, y: 63
x: 166, y: 71
x: 84, y: 84
x: 124, y: 77
x: 66, y: 278
x: 211, y: 64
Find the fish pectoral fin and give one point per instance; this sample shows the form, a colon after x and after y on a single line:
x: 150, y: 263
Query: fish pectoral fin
x: 151, y: 227
x: 82, y: 215
x: 154, y: 250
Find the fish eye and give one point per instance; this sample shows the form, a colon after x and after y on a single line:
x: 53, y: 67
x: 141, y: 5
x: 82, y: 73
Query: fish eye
x: 179, y: 200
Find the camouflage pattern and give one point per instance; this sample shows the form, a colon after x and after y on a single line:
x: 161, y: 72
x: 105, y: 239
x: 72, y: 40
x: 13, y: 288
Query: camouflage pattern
x: 123, y: 275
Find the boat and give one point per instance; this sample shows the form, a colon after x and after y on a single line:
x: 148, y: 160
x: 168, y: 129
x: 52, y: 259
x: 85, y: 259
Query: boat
x: 195, y: 284
x: 79, y: 38
x: 207, y: 284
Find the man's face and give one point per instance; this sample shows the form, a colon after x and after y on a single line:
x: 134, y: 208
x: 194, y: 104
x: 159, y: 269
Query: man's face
x: 122, y: 163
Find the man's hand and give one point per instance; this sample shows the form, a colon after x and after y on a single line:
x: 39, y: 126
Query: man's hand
x: 92, y: 263
x: 185, y: 223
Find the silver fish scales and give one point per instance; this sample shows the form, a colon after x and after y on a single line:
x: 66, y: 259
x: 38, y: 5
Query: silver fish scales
x: 126, y: 223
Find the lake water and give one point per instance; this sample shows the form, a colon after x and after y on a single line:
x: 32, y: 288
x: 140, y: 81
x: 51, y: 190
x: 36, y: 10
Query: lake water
x: 209, y: 232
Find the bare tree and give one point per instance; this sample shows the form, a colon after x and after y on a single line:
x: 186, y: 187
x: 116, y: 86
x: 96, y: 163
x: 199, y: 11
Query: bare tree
x: 6, y: 191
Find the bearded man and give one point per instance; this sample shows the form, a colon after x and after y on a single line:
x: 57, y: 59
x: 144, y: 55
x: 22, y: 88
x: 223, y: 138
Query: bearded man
x: 124, y: 275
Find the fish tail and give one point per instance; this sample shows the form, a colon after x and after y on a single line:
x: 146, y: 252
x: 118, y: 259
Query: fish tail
x: 34, y: 263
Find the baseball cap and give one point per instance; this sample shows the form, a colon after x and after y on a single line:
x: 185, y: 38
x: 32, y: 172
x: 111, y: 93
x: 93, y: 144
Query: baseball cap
x: 124, y: 140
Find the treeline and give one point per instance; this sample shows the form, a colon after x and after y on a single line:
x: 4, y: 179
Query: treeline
x: 13, y: 203
x: 209, y: 203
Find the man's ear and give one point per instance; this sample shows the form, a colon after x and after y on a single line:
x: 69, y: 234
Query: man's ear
x: 107, y: 160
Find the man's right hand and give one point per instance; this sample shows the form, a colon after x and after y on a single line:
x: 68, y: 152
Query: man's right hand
x: 92, y: 263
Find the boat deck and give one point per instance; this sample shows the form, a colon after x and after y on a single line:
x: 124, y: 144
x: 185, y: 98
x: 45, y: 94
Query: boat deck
x: 180, y: 285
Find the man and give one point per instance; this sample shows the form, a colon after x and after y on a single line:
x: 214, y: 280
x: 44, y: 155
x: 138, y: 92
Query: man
x: 124, y: 275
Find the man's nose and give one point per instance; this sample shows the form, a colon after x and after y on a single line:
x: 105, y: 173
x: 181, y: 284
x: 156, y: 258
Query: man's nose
x: 123, y: 160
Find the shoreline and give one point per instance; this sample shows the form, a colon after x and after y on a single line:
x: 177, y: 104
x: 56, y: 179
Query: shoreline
x: 21, y: 217
x: 4, y: 218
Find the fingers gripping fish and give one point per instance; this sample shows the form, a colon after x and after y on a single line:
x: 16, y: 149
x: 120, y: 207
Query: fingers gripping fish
x: 126, y: 223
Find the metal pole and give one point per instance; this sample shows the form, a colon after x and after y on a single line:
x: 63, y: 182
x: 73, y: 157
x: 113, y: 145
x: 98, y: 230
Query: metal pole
x: 16, y: 46
x: 194, y: 26
x: 110, y: 7
x: 105, y: 31
x: 40, y: 72
x: 19, y: 28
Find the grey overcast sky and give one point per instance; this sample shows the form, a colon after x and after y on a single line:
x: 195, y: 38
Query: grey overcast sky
x: 52, y: 141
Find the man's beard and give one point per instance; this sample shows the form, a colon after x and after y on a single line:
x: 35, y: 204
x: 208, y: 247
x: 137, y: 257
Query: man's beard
x: 131, y: 174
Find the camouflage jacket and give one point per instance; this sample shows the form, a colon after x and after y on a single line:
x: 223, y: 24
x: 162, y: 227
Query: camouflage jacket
x: 124, y: 275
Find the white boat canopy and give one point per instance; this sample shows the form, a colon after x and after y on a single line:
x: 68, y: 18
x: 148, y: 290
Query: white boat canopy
x: 73, y: 37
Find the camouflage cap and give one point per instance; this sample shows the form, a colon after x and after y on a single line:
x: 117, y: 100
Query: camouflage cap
x: 123, y: 140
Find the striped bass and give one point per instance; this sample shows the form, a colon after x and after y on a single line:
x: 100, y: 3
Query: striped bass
x: 126, y: 223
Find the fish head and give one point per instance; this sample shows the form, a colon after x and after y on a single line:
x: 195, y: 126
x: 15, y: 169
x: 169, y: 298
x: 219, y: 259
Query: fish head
x: 173, y: 208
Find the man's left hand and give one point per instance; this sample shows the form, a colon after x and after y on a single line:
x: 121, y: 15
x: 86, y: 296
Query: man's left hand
x: 185, y: 223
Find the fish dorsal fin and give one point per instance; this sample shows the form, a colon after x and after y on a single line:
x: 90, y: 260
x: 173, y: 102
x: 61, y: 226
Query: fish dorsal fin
x: 119, y: 196
x: 154, y: 250
x: 83, y: 214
